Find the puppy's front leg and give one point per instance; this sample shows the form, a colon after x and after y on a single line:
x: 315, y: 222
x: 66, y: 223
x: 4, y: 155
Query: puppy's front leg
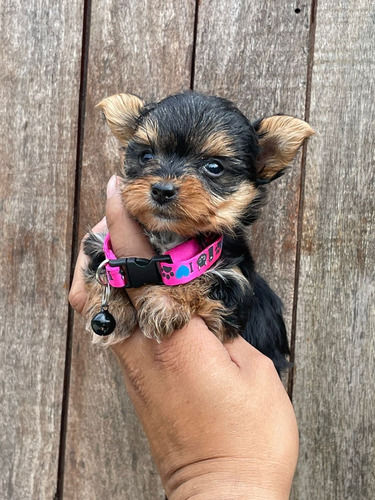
x: 119, y: 305
x: 163, y: 309
x: 160, y: 312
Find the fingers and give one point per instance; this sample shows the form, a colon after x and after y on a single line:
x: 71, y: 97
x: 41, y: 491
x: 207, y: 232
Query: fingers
x: 248, y: 359
x: 191, y: 358
x: 77, y: 294
x: 127, y: 236
x: 194, y: 345
x: 241, y: 351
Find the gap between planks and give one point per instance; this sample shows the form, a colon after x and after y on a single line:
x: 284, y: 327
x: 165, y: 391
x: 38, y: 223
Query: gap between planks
x: 310, y: 64
x: 75, y: 243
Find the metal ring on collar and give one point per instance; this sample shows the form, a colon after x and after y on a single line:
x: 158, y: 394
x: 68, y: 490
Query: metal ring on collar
x: 99, y: 273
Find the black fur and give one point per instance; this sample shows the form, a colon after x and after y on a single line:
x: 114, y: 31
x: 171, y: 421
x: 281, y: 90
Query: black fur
x: 93, y: 248
x: 257, y: 312
x: 265, y: 328
x: 184, y: 121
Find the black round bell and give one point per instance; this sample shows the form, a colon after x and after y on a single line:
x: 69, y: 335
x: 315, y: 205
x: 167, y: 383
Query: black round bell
x: 103, y: 323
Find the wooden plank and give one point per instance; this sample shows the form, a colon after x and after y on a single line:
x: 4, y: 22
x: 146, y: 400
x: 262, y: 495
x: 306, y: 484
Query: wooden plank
x: 335, y: 349
x: 145, y: 48
x: 256, y: 55
x: 39, y: 81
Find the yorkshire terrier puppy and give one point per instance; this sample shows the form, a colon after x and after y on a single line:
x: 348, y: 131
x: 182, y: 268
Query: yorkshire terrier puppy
x: 196, y: 169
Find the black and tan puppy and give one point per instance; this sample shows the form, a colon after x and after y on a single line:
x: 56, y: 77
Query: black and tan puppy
x: 196, y: 167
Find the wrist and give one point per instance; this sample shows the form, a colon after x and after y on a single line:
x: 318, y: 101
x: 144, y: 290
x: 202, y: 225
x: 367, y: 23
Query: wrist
x: 225, y: 479
x: 224, y: 487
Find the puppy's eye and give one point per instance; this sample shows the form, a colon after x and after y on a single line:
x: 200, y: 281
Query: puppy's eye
x: 145, y: 157
x: 213, y: 169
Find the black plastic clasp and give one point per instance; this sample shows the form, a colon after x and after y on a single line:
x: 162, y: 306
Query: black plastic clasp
x: 139, y: 271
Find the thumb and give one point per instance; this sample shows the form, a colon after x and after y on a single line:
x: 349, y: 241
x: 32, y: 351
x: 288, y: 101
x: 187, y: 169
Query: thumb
x: 127, y: 236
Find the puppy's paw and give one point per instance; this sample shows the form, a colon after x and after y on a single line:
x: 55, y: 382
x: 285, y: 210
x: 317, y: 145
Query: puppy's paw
x: 119, y: 305
x: 160, y: 314
x: 120, y: 308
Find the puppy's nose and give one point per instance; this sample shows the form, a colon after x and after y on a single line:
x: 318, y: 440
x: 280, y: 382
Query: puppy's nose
x: 163, y: 193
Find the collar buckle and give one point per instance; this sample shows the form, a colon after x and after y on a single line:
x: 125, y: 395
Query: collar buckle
x: 138, y: 271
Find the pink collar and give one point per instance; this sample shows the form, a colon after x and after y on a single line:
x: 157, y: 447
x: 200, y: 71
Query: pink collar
x: 182, y: 263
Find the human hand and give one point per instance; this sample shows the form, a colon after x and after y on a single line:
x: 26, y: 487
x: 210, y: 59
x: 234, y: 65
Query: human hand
x: 217, y: 417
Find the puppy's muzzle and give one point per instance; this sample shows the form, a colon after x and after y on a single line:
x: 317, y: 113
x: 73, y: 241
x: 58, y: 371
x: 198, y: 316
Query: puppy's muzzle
x: 163, y: 193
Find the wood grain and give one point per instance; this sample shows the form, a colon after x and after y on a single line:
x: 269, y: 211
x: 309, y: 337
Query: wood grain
x: 145, y: 48
x: 335, y: 349
x: 39, y: 80
x: 255, y: 53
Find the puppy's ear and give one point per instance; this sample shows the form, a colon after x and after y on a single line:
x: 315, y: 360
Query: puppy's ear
x: 280, y: 137
x: 122, y: 112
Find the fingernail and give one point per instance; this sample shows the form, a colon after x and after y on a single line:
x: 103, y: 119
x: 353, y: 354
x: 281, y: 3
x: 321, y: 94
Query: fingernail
x: 112, y: 186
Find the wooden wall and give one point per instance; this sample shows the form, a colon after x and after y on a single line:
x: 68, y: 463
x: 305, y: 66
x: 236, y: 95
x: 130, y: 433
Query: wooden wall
x: 67, y: 427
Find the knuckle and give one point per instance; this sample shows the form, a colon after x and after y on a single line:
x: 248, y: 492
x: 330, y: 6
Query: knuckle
x: 137, y: 383
x: 172, y: 355
x: 77, y: 299
x: 266, y: 365
x: 130, y: 245
x: 136, y: 378
x: 122, y: 250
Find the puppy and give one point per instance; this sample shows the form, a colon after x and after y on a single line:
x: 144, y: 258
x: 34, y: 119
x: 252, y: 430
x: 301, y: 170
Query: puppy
x: 196, y: 170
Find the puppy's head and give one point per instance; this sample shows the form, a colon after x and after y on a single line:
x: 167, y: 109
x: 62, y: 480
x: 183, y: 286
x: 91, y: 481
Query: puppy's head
x: 195, y: 164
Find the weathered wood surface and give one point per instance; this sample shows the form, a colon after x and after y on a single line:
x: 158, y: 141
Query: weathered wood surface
x: 335, y: 351
x: 255, y: 53
x: 145, y: 48
x: 40, y: 48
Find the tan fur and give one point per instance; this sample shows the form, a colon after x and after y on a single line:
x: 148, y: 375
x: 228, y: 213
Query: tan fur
x: 162, y: 310
x: 194, y: 207
x: 227, y: 274
x: 280, y: 139
x: 228, y: 211
x: 121, y: 112
x: 218, y: 144
x: 147, y: 134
